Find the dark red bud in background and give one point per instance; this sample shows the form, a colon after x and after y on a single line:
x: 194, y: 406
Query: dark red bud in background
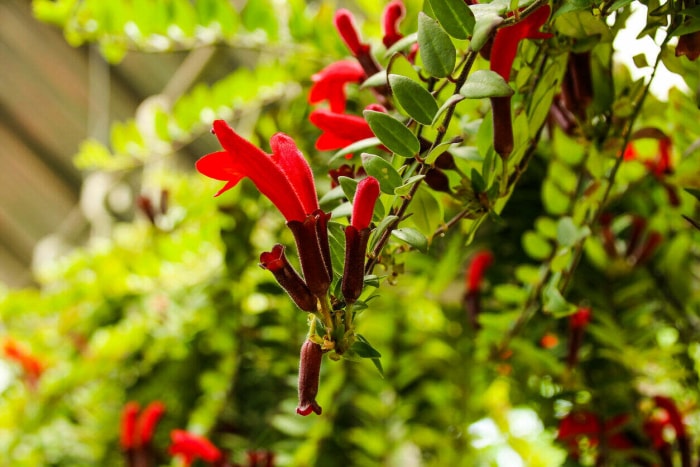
x: 502, y: 126
x: 309, y: 371
x: 437, y: 180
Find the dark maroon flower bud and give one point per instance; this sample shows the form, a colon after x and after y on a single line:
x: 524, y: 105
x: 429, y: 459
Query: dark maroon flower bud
x: 472, y: 305
x: 689, y: 45
x: 276, y: 262
x: 437, y: 180
x: 502, y: 126
x: 311, y: 237
x: 608, y: 236
x: 344, y: 170
x: 354, y: 269
x: 146, y: 206
x: 577, y: 326
x: 653, y: 241
x: 260, y: 458
x: 560, y: 116
x: 445, y: 161
x: 577, y: 87
x: 356, y: 237
x: 636, y: 233
x: 309, y: 371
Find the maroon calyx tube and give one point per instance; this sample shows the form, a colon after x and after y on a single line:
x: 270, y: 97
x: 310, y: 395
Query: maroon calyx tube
x: 287, y: 277
x: 309, y: 371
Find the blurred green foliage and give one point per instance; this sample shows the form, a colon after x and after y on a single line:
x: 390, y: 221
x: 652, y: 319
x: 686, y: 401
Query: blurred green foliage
x: 177, y: 309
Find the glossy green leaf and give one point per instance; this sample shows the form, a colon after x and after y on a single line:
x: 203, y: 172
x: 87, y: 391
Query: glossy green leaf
x: 485, y: 83
x: 355, y: 147
x: 436, y: 49
x: 392, y: 133
x: 455, y: 17
x: 389, y: 179
x: 404, y: 189
x: 418, y: 103
x: 536, y: 246
x: 348, y: 185
x: 483, y: 28
x: 412, y: 237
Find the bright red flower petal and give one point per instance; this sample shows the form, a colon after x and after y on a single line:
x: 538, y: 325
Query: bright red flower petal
x: 329, y: 83
x: 191, y: 447
x: 148, y: 420
x: 391, y: 17
x: 128, y: 425
x: 477, y: 268
x: 339, y: 130
x: 363, y: 205
x: 505, y: 44
x: 242, y: 159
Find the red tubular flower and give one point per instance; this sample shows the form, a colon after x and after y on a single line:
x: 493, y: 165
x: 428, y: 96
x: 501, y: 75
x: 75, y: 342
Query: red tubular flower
x: 309, y: 371
x: 581, y: 318
x: 356, y: 237
x: 276, y: 262
x: 344, y: 22
x: 190, y: 447
x: 363, y: 205
x: 505, y: 43
x: 32, y: 367
x: 128, y: 437
x: 339, y: 130
x: 146, y: 424
x: 329, y: 83
x: 577, y: 425
x: 477, y: 268
x: 284, y: 177
x: 391, y: 17
x: 505, y: 47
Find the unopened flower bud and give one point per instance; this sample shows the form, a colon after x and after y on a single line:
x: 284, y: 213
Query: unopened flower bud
x: 502, y: 126
x: 276, y: 262
x: 309, y: 371
x: 391, y: 17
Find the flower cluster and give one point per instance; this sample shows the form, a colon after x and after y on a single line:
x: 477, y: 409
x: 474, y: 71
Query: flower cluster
x: 285, y: 178
x: 340, y: 129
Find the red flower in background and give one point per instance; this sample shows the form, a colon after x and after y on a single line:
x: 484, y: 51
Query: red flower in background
x: 578, y: 425
x: 137, y: 430
x: 344, y: 22
x: 329, y: 83
x: 391, y: 17
x: 190, y: 447
x: 339, y: 130
x: 31, y: 365
x: 284, y: 176
x: 505, y: 43
x: 477, y: 268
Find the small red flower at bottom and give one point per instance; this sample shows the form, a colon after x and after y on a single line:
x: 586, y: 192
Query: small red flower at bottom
x: 190, y: 447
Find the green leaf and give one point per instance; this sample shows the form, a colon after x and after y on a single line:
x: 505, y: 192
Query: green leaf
x: 483, y: 28
x: 401, y: 44
x: 436, y: 49
x: 485, y: 83
x: 364, y: 349
x: 404, y: 189
x: 413, y: 237
x: 356, y: 146
x: 418, y: 103
x: 389, y: 179
x: 694, y: 191
x: 349, y: 185
x: 455, y: 16
x: 536, y: 246
x: 383, y: 225
x: 454, y: 99
x: 553, y: 301
x: 392, y: 133
x: 568, y: 233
